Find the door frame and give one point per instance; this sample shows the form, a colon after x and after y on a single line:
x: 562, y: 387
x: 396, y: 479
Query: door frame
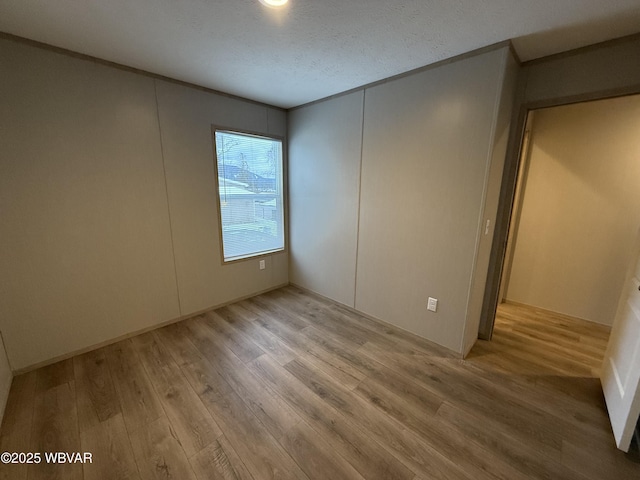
x: 512, y: 166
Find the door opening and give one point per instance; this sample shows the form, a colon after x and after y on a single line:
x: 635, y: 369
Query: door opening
x: 570, y: 229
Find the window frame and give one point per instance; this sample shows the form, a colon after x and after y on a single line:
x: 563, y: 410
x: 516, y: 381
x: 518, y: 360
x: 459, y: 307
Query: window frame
x: 285, y: 200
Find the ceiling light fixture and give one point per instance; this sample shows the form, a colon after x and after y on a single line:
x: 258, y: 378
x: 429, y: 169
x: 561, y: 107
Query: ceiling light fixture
x: 273, y: 3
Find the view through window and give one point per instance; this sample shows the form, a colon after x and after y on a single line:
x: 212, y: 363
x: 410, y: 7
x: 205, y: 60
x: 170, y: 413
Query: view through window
x: 251, y: 198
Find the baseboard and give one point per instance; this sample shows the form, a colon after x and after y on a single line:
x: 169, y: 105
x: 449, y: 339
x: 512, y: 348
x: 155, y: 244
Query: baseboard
x: 151, y: 328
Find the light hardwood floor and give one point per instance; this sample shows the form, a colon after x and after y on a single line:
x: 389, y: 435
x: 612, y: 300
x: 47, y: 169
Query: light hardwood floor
x: 287, y: 385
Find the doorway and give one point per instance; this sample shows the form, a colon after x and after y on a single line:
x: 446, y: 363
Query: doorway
x: 574, y: 214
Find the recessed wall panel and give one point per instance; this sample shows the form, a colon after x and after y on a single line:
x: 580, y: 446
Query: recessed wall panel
x: 186, y: 119
x: 85, y: 242
x: 426, y: 151
x: 324, y: 182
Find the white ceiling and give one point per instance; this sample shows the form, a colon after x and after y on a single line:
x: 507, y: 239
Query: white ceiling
x: 312, y: 48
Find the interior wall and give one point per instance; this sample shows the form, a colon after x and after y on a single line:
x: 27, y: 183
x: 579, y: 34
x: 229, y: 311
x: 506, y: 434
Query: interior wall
x: 576, y: 232
x: 427, y: 144
x: 325, y: 141
x: 186, y: 116
x: 90, y: 220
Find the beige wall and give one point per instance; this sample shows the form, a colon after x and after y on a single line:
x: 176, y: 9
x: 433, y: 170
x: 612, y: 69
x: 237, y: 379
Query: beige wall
x: 579, y: 214
x: 92, y: 216
x: 186, y: 116
x: 324, y: 173
x: 427, y: 144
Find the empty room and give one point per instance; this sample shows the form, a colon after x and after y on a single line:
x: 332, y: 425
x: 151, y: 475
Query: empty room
x: 271, y: 239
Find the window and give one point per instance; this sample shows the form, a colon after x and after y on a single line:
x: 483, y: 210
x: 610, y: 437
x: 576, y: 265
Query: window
x: 250, y: 187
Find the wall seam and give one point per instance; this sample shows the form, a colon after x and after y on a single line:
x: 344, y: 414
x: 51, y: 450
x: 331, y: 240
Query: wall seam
x: 166, y: 190
x: 355, y: 279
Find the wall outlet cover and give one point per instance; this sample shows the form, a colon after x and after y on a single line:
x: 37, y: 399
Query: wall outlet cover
x: 432, y: 304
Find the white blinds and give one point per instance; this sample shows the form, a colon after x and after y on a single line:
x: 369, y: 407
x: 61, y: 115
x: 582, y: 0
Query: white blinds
x: 251, y: 198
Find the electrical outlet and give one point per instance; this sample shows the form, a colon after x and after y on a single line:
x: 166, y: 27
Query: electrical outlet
x: 432, y: 304
x: 262, y: 265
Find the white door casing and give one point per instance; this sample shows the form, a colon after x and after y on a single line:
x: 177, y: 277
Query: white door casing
x: 621, y: 368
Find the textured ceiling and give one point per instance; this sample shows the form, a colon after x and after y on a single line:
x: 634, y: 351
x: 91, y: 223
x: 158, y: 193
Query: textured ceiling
x: 312, y: 48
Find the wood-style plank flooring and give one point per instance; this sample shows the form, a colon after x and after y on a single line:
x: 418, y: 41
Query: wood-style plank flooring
x: 289, y: 386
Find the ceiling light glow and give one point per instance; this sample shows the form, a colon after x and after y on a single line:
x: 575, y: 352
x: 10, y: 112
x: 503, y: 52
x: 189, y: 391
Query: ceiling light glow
x: 273, y: 3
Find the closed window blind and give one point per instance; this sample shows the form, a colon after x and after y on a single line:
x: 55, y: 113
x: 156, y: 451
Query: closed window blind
x: 250, y: 186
